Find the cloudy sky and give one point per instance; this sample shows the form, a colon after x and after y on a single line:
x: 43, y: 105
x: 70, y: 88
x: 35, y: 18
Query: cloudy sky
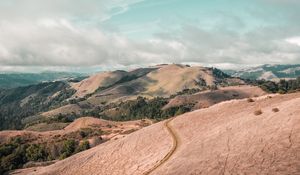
x: 109, y: 34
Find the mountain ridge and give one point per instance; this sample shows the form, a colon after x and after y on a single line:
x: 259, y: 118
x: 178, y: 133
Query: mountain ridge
x: 273, y: 72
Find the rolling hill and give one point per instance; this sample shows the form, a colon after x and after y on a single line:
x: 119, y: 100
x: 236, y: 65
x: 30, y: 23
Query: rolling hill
x: 221, y: 139
x: 23, y: 106
x: 208, y: 98
x: 215, y: 107
x: 164, y: 80
x: 157, y: 81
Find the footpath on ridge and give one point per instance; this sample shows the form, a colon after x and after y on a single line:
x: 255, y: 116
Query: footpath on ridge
x: 175, y: 139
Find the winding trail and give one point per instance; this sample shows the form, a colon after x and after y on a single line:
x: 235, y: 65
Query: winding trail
x: 175, y: 139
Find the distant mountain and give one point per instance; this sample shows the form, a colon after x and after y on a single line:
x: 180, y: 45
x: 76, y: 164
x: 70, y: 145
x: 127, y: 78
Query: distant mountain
x: 267, y: 72
x: 12, y: 80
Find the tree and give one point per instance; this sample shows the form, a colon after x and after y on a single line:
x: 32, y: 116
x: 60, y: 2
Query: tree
x: 36, y: 153
x: 69, y: 147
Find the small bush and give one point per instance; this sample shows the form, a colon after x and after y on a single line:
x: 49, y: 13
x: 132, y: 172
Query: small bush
x: 275, y: 110
x: 258, y: 112
x: 250, y: 100
x: 83, y: 146
x: 68, y: 149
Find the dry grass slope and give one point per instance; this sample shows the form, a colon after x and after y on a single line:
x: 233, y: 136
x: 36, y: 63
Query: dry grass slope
x: 209, y: 98
x: 226, y: 138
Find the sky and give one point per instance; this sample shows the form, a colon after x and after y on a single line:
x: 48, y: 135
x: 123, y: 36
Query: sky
x: 83, y: 35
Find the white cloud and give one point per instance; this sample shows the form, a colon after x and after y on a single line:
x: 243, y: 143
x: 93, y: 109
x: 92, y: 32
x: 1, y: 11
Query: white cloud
x: 35, y: 33
x: 294, y: 40
x: 51, y: 42
x: 70, y: 9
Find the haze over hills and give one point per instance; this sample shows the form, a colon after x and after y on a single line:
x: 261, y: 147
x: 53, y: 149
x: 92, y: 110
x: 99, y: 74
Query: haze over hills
x: 13, y: 80
x: 267, y: 72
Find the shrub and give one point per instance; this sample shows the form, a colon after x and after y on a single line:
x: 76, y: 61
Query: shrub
x: 281, y: 91
x: 258, y: 112
x: 36, y: 153
x: 86, y: 132
x: 14, y: 160
x: 275, y: 110
x: 83, y: 146
x: 68, y: 149
x: 250, y: 100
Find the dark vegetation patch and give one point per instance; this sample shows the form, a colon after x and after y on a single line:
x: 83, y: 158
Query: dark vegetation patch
x: 282, y: 87
x: 141, y: 108
x: 17, y: 152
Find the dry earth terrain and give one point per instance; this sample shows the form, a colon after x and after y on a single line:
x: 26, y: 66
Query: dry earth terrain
x: 208, y: 98
x: 109, y: 129
x: 233, y: 137
x: 162, y: 80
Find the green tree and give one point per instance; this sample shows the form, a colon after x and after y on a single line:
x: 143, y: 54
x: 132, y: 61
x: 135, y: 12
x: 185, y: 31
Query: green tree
x: 69, y: 147
x: 36, y: 153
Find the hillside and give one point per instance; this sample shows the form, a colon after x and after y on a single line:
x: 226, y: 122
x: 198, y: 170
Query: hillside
x: 62, y: 101
x: 222, y: 139
x: 28, y: 148
x: 267, y: 72
x: 19, y: 103
x: 111, y: 129
x: 164, y: 81
x: 208, y: 98
x: 157, y: 81
x: 104, y: 80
